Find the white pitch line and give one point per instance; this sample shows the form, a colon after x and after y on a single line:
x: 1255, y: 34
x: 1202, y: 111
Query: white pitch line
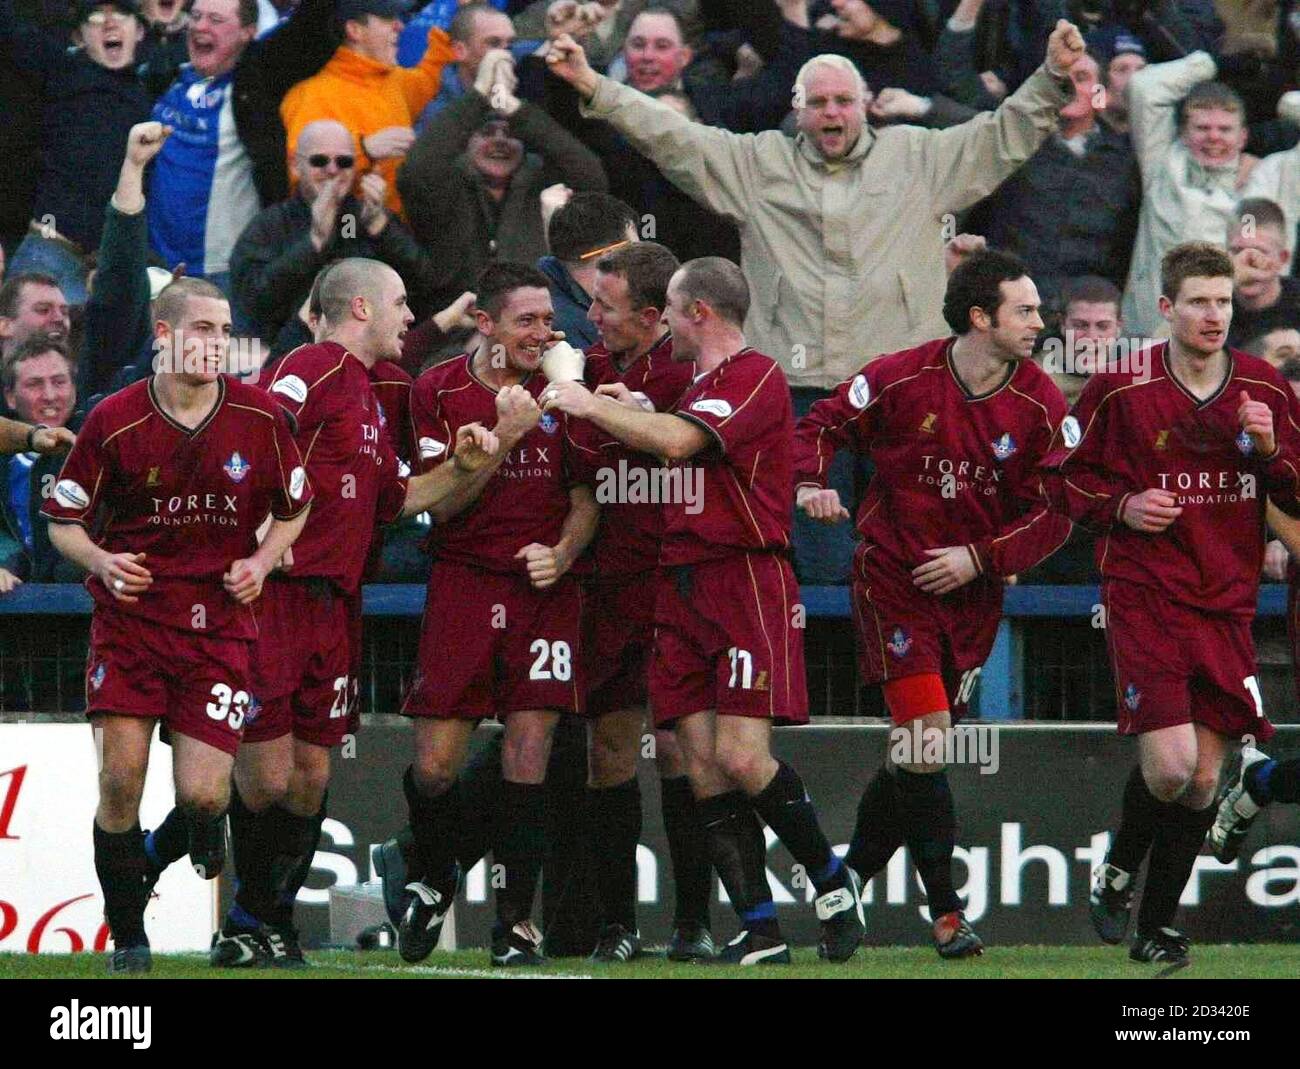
x: 449, y: 970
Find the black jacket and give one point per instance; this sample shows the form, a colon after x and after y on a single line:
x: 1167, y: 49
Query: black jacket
x: 449, y: 208
x: 274, y: 262
x: 1067, y: 215
x: 86, y: 113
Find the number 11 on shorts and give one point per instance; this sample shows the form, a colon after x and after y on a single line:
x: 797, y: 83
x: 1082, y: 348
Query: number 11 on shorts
x: 742, y: 664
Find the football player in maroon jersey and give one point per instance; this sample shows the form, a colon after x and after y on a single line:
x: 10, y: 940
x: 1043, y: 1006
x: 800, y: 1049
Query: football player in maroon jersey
x: 1172, y: 455
x: 728, y: 654
x: 956, y: 428
x: 303, y: 657
x: 501, y: 582
x: 160, y: 501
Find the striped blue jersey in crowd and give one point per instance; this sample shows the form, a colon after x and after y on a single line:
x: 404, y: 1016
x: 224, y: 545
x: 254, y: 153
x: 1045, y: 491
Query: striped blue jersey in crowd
x: 201, y: 192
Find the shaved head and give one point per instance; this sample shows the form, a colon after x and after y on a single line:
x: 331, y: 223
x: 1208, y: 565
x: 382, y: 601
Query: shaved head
x: 325, y: 135
x: 343, y: 282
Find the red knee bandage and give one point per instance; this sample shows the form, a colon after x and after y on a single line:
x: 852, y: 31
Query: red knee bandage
x: 913, y: 697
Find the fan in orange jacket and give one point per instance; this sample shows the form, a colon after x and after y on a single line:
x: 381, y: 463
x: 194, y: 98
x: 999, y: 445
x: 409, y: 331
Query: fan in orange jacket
x: 363, y: 88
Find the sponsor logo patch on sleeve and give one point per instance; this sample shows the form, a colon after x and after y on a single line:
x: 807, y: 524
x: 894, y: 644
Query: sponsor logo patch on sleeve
x: 714, y: 406
x: 1070, y: 433
x: 297, y: 483
x: 292, y: 387
x: 859, y: 392
x: 431, y: 448
x: 71, y: 495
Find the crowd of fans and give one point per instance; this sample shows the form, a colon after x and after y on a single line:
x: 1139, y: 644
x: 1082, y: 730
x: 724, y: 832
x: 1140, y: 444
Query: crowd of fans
x: 252, y: 142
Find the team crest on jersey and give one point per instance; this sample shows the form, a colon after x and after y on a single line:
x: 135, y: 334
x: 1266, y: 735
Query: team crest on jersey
x: 237, y: 467
x: 549, y: 423
x: 900, y: 643
x: 927, y: 424
x: 1162, y: 440
x: 1132, y: 698
x: 1245, y: 443
x: 152, y: 479
x: 383, y: 419
x: 1004, y: 447
x: 97, y: 676
x: 254, y: 711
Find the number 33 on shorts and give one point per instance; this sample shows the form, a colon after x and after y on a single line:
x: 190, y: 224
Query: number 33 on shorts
x: 229, y: 705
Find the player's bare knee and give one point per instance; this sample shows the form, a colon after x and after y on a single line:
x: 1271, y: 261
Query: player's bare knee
x: 668, y: 755
x: 121, y: 786
x: 1201, y: 791
x: 203, y: 801
x: 1168, y: 785
x: 746, y: 767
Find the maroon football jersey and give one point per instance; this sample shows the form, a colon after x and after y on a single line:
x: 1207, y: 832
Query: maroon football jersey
x: 1131, y: 432
x: 742, y: 483
x: 349, y: 459
x: 952, y: 468
x: 631, y: 517
x: 190, y: 500
x: 392, y: 386
x: 526, y: 499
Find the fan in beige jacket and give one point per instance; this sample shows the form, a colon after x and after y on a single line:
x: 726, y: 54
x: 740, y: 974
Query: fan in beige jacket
x: 843, y: 227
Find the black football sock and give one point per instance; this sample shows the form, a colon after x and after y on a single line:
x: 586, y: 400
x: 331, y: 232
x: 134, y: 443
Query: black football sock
x: 614, y: 826
x: 292, y: 843
x: 878, y: 833
x: 250, y: 851
x: 519, y: 848
x: 121, y: 865
x: 931, y: 830
x: 688, y: 848
x: 785, y: 806
x: 1179, y: 834
x: 1274, y: 781
x: 738, y: 852
x: 205, y: 843
x: 287, y: 893
x: 434, y: 820
x: 479, y: 790
x: 1137, y: 824
x: 168, y: 842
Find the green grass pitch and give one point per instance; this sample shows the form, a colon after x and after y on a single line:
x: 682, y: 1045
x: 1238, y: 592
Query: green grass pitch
x: 1023, y: 962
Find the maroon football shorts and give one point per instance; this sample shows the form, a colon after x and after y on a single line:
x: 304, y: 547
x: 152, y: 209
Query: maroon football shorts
x: 728, y: 637
x: 492, y: 645
x: 197, y: 684
x: 301, y: 663
x: 903, y: 631
x: 1293, y: 620
x: 618, y: 635
x: 1176, y: 665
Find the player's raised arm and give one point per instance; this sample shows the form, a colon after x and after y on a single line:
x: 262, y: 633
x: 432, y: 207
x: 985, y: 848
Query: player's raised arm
x: 478, y: 453
x: 517, y: 414
x: 658, y: 433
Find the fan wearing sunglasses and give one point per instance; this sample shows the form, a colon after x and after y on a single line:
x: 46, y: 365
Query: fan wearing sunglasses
x: 333, y: 213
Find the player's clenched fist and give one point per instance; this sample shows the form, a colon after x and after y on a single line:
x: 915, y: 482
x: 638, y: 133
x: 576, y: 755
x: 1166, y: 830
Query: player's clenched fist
x: 244, y: 580
x: 124, y: 575
x: 1256, y: 419
x: 53, y: 440
x: 517, y: 414
x: 1064, y: 47
x: 475, y: 447
x: 821, y: 505
x: 1151, y: 511
x: 545, y: 564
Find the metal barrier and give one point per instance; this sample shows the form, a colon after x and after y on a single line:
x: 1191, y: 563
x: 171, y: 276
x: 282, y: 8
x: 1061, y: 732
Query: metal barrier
x: 1003, y: 694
